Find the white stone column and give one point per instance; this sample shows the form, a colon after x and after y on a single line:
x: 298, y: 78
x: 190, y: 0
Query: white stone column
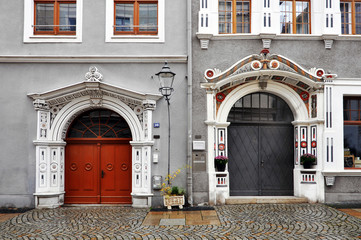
x: 49, y: 188
x: 141, y: 160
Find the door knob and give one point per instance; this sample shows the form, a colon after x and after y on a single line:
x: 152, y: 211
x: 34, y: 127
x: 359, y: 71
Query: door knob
x: 103, y: 174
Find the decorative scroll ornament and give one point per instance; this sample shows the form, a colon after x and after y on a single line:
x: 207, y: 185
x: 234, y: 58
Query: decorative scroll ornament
x: 93, y: 75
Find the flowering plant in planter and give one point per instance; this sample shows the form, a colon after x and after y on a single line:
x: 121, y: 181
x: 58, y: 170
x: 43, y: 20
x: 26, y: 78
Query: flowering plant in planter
x: 220, y: 162
x: 221, y: 159
x: 307, y: 160
x: 172, y: 195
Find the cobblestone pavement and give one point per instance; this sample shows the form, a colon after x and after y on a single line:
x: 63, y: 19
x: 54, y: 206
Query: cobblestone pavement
x: 257, y: 221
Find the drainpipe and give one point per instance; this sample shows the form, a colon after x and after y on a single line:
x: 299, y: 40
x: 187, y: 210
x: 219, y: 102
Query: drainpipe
x: 189, y: 97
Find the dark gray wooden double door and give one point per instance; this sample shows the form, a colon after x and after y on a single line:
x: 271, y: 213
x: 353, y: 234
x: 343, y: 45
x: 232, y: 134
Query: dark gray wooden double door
x: 261, y: 152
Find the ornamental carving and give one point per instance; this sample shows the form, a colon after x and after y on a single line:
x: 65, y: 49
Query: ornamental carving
x: 259, y: 62
x: 40, y: 104
x: 93, y: 75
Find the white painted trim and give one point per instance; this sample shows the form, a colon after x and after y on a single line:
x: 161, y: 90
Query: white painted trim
x: 29, y: 36
x: 345, y: 173
x: 288, y: 95
x: 109, y: 22
x: 94, y: 58
x: 294, y: 37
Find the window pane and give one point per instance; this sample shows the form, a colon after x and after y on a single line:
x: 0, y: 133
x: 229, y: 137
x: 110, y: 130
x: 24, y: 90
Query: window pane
x: 44, y: 17
x: 352, y: 139
x: 346, y: 15
x: 67, y: 18
x: 358, y: 18
x: 148, y: 17
x: 124, y: 17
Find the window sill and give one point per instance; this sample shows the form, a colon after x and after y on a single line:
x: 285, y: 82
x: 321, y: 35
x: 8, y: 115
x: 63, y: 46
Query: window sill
x: 134, y: 38
x: 346, y: 172
x: 52, y: 38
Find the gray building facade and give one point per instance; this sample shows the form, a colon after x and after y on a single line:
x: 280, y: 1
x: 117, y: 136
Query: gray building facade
x: 276, y: 79
x: 68, y: 62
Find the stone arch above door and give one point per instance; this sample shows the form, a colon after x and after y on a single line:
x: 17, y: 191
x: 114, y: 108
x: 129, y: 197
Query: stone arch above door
x: 56, y: 110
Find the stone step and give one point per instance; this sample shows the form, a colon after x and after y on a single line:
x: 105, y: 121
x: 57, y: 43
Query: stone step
x: 264, y: 199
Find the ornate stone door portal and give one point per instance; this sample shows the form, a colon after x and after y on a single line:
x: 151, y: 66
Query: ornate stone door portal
x: 56, y: 111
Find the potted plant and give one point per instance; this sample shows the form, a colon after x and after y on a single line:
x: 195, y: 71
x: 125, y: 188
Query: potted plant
x: 220, y: 163
x: 308, y: 160
x: 172, y: 195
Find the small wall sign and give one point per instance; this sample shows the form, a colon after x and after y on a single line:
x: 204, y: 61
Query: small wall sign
x: 199, y: 145
x: 156, y: 125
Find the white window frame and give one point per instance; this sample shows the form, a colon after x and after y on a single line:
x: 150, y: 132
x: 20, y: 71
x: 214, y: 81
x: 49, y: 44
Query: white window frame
x: 30, y: 37
x: 109, y: 30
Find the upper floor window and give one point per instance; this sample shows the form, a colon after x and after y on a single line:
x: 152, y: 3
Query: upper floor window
x: 234, y: 16
x: 53, y: 21
x: 350, y: 16
x: 352, y: 131
x: 136, y: 17
x: 295, y: 16
x: 57, y: 17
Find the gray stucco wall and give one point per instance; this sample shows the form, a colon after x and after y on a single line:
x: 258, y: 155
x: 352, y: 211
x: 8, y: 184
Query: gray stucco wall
x: 345, y: 190
x: 17, y: 158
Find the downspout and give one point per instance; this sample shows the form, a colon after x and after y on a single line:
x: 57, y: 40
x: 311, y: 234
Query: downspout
x: 189, y: 98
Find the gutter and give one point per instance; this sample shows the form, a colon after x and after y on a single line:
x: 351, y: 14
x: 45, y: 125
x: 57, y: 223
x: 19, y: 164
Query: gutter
x: 189, y: 98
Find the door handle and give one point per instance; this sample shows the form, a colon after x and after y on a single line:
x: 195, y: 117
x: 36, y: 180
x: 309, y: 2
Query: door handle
x: 103, y: 174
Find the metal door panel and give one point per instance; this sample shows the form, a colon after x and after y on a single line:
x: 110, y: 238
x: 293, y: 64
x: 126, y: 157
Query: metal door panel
x: 243, y: 164
x: 276, y: 154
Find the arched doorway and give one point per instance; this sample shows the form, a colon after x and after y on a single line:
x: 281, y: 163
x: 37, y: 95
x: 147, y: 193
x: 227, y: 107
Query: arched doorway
x: 260, y: 146
x: 98, y: 159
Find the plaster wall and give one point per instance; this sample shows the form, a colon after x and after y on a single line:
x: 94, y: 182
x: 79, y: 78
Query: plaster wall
x: 345, y: 190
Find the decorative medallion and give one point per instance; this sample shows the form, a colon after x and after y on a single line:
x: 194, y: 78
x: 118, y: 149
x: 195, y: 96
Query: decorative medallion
x: 256, y: 65
x: 138, y: 110
x: 88, y: 167
x: 137, y: 167
x: 274, y: 64
x: 53, y: 167
x: 313, y: 144
x: 220, y: 97
x: 303, y: 144
x: 221, y: 147
x: 209, y: 73
x: 109, y: 167
x: 73, y: 167
x: 124, y: 167
x: 42, y: 167
x: 304, y: 96
x: 320, y: 72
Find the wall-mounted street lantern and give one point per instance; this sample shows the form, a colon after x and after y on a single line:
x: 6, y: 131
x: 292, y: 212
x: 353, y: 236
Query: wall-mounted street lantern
x: 166, y: 79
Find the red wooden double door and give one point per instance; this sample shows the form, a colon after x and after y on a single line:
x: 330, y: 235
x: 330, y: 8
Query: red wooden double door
x: 98, y: 173
x: 98, y: 160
